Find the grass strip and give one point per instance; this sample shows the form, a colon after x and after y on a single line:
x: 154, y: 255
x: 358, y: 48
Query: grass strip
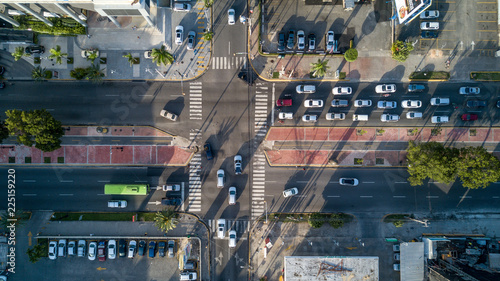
x: 485, y: 76
x: 430, y: 75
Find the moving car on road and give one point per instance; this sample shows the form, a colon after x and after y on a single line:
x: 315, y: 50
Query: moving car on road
x: 208, y: 151
x: 387, y: 104
x: 349, y: 181
x: 440, y: 119
x: 310, y: 118
x: 221, y: 228
x: 221, y: 178
x: 237, y: 164
x: 313, y: 103
x: 342, y: 91
x: 168, y: 115
x: 181, y: 7
x: 305, y: 89
x: 335, y: 116
x: 171, y: 201
x: 284, y: 102
x: 232, y: 239
x: 117, y: 203
x: 413, y: 115
x: 172, y: 187
x: 385, y: 88
x: 389, y: 118
x: 362, y: 103
x: 411, y: 104
x: 231, y: 17
x: 290, y: 192
x: 232, y: 195
x: 469, y: 91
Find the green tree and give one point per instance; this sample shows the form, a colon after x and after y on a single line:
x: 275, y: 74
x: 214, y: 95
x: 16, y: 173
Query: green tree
x: 35, y: 127
x: 57, y: 54
x: 4, y: 132
x: 130, y: 58
x: 78, y: 73
x: 19, y: 53
x: 316, y: 220
x: 401, y: 50
x: 208, y: 3
x: 18, y: 218
x: 94, y: 74
x: 319, y: 68
x: 35, y: 253
x: 161, y: 56
x: 336, y: 220
x: 38, y: 74
x: 166, y: 220
x: 477, y: 168
x: 351, y: 55
x: 207, y: 36
x: 92, y: 55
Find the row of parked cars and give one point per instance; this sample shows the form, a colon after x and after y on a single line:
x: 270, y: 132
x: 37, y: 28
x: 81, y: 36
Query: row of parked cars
x: 110, y: 249
x: 304, y: 43
x: 429, y: 28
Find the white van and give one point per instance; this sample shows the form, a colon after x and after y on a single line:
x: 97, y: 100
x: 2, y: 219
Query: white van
x: 360, y: 117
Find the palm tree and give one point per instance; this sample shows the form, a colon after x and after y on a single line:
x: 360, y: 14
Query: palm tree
x: 166, y: 220
x: 19, y: 53
x: 161, y: 56
x: 319, y: 68
x: 94, y: 74
x: 57, y: 54
x: 92, y: 55
x: 130, y: 58
x: 38, y: 74
x: 208, y: 35
x: 6, y: 218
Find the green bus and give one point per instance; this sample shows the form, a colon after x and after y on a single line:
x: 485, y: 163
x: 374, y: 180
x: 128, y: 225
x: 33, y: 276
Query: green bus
x: 126, y: 189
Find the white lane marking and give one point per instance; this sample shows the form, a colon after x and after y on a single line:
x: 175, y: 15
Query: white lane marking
x: 66, y: 181
x: 29, y: 180
x: 27, y: 194
x: 272, y: 111
x: 334, y: 196
x: 432, y: 196
x: 462, y: 197
x: 102, y: 181
x: 400, y: 182
x: 398, y: 196
x: 302, y: 181
x: 368, y: 182
x: 66, y: 194
x: 366, y: 196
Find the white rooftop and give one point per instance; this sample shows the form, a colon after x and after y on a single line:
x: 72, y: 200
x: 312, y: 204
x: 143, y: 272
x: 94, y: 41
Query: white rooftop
x: 412, y: 261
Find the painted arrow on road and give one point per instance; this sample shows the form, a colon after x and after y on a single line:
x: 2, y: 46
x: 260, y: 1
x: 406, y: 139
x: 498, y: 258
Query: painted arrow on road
x: 155, y: 202
x: 29, y: 238
x: 101, y: 268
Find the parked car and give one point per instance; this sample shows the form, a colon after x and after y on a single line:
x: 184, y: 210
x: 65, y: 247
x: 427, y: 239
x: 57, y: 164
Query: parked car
x: 132, y: 248
x: 188, y: 275
x: 142, y: 248
x: 412, y: 88
x: 190, y: 265
x: 232, y: 239
x: 362, y: 103
x: 311, y: 38
x: 281, y: 42
x: 440, y: 119
x: 385, y: 88
x: 469, y: 117
x: 172, y: 187
x: 397, y: 256
x: 342, y: 91
x: 301, y: 40
x: 428, y: 34
x: 169, y: 115
x: 340, y: 103
x: 305, y: 89
x: 310, y: 118
x: 349, y: 181
x: 396, y: 266
x: 221, y: 178
x: 411, y: 104
x: 148, y: 54
x: 331, y: 44
x: 72, y: 248
x: 191, y: 40
x: 429, y: 25
x: 161, y: 248
x: 112, y: 249
x: 179, y: 35
x: 389, y: 118
x: 285, y: 115
x: 413, y: 115
x: 232, y: 195
x: 395, y: 247
x: 440, y: 101
x: 117, y: 203
x: 290, y: 192
x: 335, y: 116
x: 476, y: 103
x: 284, y: 102
x: 181, y: 7
x: 171, y: 248
x: 432, y: 14
x: 101, y: 251
x: 469, y: 91
x: 313, y: 103
x: 152, y: 249
x: 92, y: 253
x: 34, y: 50
x: 291, y: 39
x: 82, y: 246
x: 53, y: 250
x: 122, y: 247
x: 61, y: 248
x: 231, y: 17
x: 171, y: 201
x: 387, y: 104
x: 208, y: 151
x: 237, y: 164
x: 221, y: 228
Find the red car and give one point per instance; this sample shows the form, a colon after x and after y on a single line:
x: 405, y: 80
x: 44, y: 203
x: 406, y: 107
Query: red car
x: 469, y: 117
x: 101, y: 251
x: 284, y: 102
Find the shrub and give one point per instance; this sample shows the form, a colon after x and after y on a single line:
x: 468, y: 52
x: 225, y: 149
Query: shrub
x: 78, y: 73
x: 351, y: 55
x: 401, y: 50
x: 398, y: 223
x: 62, y: 26
x: 47, y: 74
x: 336, y: 220
x: 316, y: 220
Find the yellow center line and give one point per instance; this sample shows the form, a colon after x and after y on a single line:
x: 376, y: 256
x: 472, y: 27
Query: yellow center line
x: 487, y: 12
x: 115, y: 140
x: 486, y: 21
x: 486, y: 30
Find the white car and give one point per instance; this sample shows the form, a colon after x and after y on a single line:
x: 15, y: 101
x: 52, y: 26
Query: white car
x: 440, y: 119
x: 389, y: 118
x: 440, y: 101
x: 112, y: 249
x: 72, y: 248
x: 301, y: 40
x: 52, y: 250
x: 426, y: 25
x: 313, y: 103
x: 132, y: 246
x: 147, y: 54
x: 433, y: 14
x: 230, y: 16
x: 172, y: 187
x: 413, y: 115
x: 232, y: 195
x: 387, y: 104
x: 191, y: 40
x: 305, y: 89
x: 349, y: 181
x: 330, y: 42
x: 169, y: 115
x: 82, y: 246
x: 362, y: 103
x: 469, y: 91
x: 61, y: 248
x: 290, y: 192
x: 232, y: 239
x: 285, y: 115
x: 385, y: 88
x: 310, y: 118
x: 179, y: 35
x: 221, y: 178
x: 335, y: 116
x: 342, y: 91
x: 238, y: 160
x: 180, y: 7
x: 411, y: 104
x: 221, y: 228
x: 92, y: 253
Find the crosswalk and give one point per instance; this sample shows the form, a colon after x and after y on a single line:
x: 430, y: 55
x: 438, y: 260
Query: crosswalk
x: 258, y: 185
x: 194, y: 195
x: 261, y: 106
x: 195, y: 101
x: 240, y: 226
x: 228, y: 62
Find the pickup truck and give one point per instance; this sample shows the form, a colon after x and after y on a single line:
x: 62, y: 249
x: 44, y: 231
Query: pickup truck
x: 117, y: 204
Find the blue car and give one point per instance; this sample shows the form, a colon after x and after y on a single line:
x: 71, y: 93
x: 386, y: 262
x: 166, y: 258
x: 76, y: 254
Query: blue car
x: 429, y: 34
x: 208, y: 150
x: 152, y: 247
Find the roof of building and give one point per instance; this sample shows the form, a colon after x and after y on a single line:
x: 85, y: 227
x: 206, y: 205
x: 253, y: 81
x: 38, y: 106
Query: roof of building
x: 331, y: 268
x: 412, y: 261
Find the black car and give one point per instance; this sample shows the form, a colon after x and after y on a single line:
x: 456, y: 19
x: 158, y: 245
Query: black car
x: 311, y: 38
x: 122, y: 247
x: 208, y: 151
x: 152, y: 247
x: 161, y: 248
x: 171, y: 201
x: 34, y: 50
x: 142, y: 248
x: 429, y: 34
x: 291, y: 39
x: 476, y: 103
x: 281, y: 42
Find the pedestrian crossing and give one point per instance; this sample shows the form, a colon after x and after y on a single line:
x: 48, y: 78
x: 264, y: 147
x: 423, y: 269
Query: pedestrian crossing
x: 258, y: 185
x: 261, y: 113
x: 229, y: 62
x: 194, y: 195
x: 240, y: 226
x: 195, y: 101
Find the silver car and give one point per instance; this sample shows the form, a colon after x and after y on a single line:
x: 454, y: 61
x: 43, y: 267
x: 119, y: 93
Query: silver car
x: 179, y: 35
x: 232, y: 195
x: 191, y: 40
x: 362, y: 103
x: 168, y: 115
x: 335, y: 116
x: 389, y: 118
x: 290, y: 192
x: 387, y: 104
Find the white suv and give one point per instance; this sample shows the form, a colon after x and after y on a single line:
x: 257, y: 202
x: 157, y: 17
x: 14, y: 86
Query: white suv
x: 221, y: 228
x: 440, y: 101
